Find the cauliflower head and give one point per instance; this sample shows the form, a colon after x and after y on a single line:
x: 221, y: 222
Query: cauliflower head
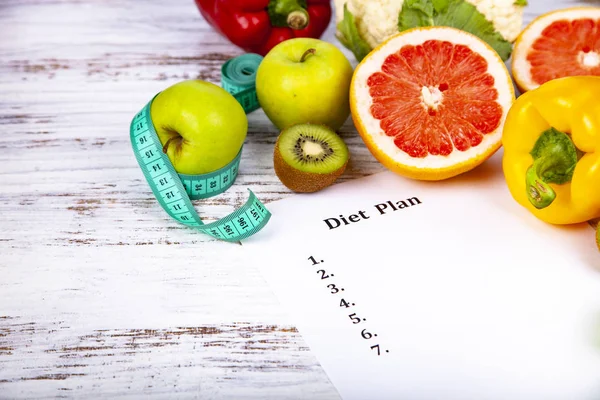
x: 506, y: 15
x: 376, y: 20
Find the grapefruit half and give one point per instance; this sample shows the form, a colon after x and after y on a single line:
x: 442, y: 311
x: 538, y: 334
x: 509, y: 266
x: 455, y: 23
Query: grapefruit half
x: 556, y: 45
x: 430, y: 103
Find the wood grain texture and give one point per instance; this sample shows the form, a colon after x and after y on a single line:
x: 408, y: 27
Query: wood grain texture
x: 101, y: 294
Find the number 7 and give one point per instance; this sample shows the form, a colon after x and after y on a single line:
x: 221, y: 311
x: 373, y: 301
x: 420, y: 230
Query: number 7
x: 376, y: 347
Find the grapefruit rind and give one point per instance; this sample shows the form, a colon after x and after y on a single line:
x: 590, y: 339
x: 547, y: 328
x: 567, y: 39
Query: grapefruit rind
x: 432, y: 167
x: 520, y: 66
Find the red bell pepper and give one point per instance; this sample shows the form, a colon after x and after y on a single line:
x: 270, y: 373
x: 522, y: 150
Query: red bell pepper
x: 258, y: 25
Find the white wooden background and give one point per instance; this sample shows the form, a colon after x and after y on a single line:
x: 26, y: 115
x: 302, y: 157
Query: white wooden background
x: 101, y: 294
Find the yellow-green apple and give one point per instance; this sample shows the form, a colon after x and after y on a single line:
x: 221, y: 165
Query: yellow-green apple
x: 305, y: 80
x: 200, y: 125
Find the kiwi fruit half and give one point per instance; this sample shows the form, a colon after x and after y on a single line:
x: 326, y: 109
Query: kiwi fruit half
x: 309, y: 157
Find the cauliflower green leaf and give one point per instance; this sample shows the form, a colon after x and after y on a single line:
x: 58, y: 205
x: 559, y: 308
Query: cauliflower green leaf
x: 348, y: 35
x: 454, y: 13
x: 416, y: 13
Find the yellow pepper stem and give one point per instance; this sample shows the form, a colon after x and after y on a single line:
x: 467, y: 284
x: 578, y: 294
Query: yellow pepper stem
x: 555, y: 157
x: 539, y: 193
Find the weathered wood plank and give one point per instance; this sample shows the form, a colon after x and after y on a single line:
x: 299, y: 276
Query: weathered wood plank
x: 208, y: 361
x: 96, y: 279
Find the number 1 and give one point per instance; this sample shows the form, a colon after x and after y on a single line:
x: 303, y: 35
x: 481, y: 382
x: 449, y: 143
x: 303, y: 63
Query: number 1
x: 314, y: 262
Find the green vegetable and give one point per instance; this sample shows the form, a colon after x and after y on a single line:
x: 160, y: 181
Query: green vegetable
x: 349, y: 36
x: 454, y: 13
x: 521, y: 3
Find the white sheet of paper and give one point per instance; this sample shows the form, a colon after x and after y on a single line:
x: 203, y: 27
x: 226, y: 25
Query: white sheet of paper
x: 464, y: 295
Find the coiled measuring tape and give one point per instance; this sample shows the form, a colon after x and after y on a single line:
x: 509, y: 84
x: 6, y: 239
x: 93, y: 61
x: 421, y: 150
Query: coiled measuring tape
x: 238, y: 77
x: 175, y: 191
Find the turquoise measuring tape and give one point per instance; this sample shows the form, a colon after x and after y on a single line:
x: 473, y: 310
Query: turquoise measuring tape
x: 175, y: 191
x: 238, y: 77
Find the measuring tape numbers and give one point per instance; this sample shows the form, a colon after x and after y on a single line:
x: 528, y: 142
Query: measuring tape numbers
x: 175, y: 191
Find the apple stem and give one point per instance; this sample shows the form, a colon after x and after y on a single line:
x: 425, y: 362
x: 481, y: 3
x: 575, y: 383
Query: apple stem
x: 166, y: 146
x: 306, y: 54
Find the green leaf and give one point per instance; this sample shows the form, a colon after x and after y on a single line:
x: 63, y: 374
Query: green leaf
x: 440, y: 6
x: 425, y: 6
x: 454, y: 13
x: 415, y: 13
x: 521, y: 3
x: 348, y: 35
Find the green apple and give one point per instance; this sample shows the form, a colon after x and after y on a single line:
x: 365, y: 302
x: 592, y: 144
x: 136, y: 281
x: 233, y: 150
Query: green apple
x: 200, y: 125
x: 305, y: 80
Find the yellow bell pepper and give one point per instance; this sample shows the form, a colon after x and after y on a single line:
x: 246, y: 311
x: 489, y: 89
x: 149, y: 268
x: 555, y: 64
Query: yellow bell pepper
x: 551, y: 142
